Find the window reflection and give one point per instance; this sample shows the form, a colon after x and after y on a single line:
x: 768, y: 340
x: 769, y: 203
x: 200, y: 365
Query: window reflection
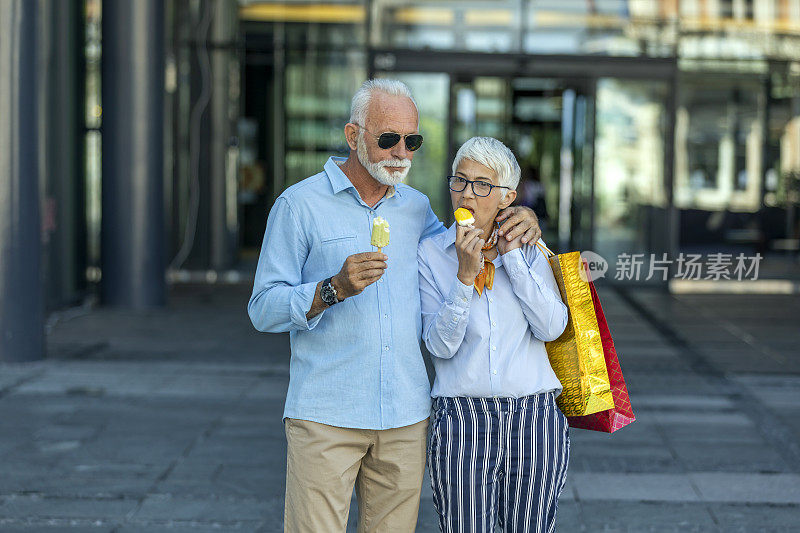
x: 718, y: 144
x: 630, y: 198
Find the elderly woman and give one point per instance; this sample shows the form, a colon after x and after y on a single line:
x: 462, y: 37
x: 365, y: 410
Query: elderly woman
x: 499, y: 446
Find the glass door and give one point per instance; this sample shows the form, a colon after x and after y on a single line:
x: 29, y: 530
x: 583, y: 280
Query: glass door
x: 547, y: 124
x: 630, y: 197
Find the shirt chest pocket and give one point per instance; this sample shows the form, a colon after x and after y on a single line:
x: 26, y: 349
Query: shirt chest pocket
x: 333, y: 251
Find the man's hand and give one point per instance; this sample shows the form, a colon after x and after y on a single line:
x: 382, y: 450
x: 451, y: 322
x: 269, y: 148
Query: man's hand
x: 358, y: 271
x: 504, y: 246
x: 519, y: 222
x: 468, y: 250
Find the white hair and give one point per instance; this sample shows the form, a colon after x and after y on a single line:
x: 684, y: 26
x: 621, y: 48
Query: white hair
x: 493, y: 154
x: 360, y: 104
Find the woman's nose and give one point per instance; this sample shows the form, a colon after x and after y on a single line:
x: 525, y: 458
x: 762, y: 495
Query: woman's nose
x: 468, y: 191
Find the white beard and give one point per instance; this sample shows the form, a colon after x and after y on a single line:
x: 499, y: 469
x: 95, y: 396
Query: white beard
x: 378, y: 170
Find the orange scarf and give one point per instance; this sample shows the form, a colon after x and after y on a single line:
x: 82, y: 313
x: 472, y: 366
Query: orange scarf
x: 485, y: 277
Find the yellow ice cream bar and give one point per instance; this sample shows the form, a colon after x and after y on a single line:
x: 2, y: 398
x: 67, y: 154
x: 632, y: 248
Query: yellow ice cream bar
x: 464, y: 217
x: 380, y: 232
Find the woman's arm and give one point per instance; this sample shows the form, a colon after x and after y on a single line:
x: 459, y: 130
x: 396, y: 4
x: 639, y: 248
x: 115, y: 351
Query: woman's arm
x: 537, y: 291
x: 444, y: 318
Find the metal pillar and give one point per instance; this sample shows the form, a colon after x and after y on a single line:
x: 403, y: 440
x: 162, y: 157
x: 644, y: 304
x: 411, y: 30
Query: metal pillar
x: 224, y: 109
x: 132, y: 255
x: 210, y: 235
x: 21, y: 305
x: 61, y: 152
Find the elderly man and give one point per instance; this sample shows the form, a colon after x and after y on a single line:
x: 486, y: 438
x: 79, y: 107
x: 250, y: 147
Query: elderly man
x: 359, y: 398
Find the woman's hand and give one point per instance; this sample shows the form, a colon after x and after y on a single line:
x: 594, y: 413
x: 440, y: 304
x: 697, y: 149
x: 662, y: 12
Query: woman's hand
x: 468, y: 249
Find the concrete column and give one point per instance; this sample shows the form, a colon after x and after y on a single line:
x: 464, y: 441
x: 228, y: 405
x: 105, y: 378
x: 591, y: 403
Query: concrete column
x: 21, y: 305
x: 132, y: 255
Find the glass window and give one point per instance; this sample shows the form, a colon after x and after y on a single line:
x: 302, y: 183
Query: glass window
x: 431, y: 92
x: 718, y: 144
x: 629, y: 189
x: 319, y: 87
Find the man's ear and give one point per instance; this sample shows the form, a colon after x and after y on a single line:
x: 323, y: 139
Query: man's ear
x: 351, y: 135
x: 510, y: 197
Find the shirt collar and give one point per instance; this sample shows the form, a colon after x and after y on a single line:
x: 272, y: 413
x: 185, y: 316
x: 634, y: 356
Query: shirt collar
x: 340, y: 181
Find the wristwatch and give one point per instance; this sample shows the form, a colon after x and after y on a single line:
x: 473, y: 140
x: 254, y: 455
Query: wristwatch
x: 327, y: 293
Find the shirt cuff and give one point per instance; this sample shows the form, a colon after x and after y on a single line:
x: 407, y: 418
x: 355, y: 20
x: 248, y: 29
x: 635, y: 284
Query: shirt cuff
x: 460, y: 294
x: 455, y: 310
x: 301, y: 300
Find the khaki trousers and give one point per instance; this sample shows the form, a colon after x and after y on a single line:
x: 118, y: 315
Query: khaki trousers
x: 324, y: 462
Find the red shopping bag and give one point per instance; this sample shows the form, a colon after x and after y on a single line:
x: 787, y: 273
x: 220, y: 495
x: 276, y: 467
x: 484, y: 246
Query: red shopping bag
x: 622, y: 414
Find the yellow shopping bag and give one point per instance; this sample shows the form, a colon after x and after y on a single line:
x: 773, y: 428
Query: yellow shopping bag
x: 577, y: 355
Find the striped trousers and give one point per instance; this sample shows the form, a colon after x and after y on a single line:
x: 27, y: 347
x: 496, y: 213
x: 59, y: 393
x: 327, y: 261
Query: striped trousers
x: 498, y: 459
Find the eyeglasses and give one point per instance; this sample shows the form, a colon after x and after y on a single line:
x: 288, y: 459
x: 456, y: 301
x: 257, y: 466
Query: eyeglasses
x: 480, y: 188
x: 389, y: 139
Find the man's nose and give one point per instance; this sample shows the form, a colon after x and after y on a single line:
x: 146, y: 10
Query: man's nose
x: 399, y: 150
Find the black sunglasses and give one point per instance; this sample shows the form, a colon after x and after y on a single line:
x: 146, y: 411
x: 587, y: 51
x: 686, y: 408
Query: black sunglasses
x: 388, y: 139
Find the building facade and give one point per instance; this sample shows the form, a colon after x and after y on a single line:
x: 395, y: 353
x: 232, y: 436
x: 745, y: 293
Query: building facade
x: 642, y: 127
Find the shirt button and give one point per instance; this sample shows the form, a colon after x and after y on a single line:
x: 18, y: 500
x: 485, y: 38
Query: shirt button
x: 386, y: 348
x: 494, y: 372
x: 490, y: 300
x: 385, y: 316
x: 494, y: 348
x: 494, y: 324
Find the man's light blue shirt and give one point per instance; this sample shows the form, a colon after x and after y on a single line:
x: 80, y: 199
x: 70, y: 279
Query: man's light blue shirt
x: 357, y: 364
x: 493, y: 344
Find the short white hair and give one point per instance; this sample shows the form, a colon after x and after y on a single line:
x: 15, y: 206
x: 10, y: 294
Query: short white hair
x: 493, y: 154
x: 360, y: 104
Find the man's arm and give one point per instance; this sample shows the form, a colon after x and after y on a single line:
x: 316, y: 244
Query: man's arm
x: 317, y: 306
x: 280, y: 299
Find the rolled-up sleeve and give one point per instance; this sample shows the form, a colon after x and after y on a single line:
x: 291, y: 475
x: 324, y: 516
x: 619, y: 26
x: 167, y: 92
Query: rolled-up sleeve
x: 280, y: 300
x: 444, y: 317
x: 537, y: 291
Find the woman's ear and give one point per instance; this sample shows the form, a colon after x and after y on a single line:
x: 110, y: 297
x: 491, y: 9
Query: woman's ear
x: 510, y: 197
x: 351, y: 135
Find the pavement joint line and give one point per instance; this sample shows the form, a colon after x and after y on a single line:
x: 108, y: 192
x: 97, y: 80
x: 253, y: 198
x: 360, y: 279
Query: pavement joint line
x: 24, y: 379
x: 765, y: 421
x: 679, y: 460
x: 116, y: 524
x: 174, y: 464
x: 741, y: 335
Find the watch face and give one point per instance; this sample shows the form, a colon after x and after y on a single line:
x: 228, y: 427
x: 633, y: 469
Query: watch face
x: 328, y: 294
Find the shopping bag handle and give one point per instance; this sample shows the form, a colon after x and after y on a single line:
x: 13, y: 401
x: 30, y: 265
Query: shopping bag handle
x: 545, y: 250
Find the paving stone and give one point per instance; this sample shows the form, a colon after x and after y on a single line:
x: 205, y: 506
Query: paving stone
x: 746, y: 518
x: 634, y: 487
x: 163, y: 507
x: 742, y: 488
x: 56, y: 507
x: 646, y: 517
x: 190, y: 527
x: 727, y: 457
x: 8, y: 527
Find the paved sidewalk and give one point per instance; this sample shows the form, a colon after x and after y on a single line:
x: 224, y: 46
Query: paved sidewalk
x: 170, y: 421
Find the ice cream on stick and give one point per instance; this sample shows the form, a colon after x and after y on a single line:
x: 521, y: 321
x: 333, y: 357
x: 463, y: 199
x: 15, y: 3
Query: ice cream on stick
x: 380, y: 233
x: 464, y: 217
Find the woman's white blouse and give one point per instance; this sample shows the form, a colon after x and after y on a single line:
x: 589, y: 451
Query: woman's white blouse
x: 490, y: 345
